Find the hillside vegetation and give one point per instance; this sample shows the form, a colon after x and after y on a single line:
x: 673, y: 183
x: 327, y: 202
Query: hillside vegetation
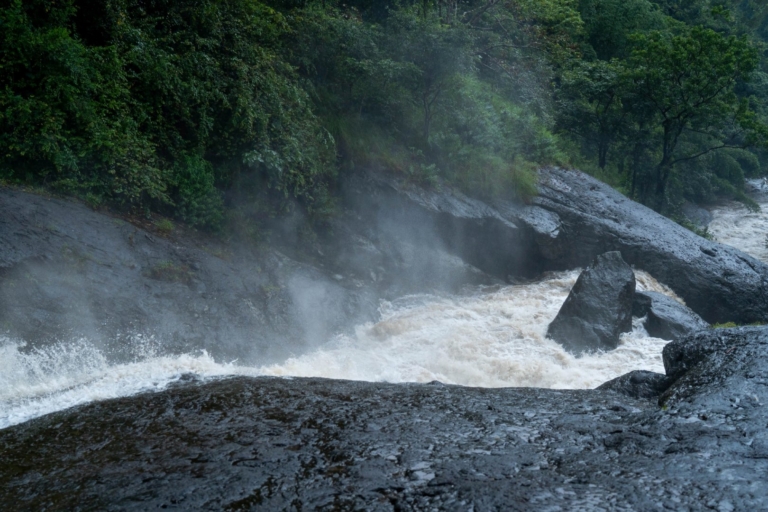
x: 182, y: 106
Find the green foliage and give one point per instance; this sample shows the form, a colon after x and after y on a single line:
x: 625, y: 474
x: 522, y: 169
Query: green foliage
x: 198, y: 202
x: 685, y: 84
x: 729, y: 325
x: 165, y: 226
x: 174, y: 105
x: 427, y: 94
x: 610, y: 23
x: 64, y: 113
x: 666, y: 114
x: 111, y: 99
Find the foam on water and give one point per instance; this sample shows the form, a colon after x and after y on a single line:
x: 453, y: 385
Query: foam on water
x: 68, y: 374
x: 489, y: 338
x: 735, y: 225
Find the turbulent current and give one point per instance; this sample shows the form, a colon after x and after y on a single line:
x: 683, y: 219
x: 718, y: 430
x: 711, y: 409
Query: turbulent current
x: 486, y: 337
x: 489, y: 338
x: 735, y: 225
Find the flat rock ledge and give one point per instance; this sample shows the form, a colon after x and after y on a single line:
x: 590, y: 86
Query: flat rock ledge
x: 277, y: 444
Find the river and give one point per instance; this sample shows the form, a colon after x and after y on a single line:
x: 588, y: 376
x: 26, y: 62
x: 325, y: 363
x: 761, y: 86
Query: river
x: 485, y: 337
x: 735, y: 225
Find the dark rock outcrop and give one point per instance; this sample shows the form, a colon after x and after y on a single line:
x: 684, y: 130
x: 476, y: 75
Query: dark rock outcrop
x: 314, y: 444
x: 718, y: 282
x: 573, y: 219
x: 638, y: 384
x: 599, y: 307
x: 68, y: 272
x: 392, y: 208
x: 720, y: 377
x: 684, y: 354
x: 666, y: 318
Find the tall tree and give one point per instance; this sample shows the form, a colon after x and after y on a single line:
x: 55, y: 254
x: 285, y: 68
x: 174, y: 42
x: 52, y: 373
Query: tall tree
x: 684, y: 84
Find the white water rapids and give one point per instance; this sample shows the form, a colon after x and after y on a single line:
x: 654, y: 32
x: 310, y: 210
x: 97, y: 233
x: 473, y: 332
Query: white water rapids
x: 735, y: 225
x: 491, y: 337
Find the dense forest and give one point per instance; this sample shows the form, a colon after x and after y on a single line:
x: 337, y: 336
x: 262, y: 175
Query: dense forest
x: 180, y: 106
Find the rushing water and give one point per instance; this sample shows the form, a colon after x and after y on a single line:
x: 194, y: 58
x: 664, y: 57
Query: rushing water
x: 490, y: 338
x: 735, y: 225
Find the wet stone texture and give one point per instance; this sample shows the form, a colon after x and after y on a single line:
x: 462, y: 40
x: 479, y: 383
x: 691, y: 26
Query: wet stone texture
x: 573, y: 219
x: 665, y: 317
x: 306, y: 444
x: 599, y: 307
x: 67, y: 272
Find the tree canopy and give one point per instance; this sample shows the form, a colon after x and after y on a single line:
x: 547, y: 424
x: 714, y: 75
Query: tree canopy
x: 179, y: 106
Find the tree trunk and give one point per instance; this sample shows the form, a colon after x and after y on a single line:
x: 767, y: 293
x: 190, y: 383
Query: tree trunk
x: 662, y: 176
x: 602, y: 151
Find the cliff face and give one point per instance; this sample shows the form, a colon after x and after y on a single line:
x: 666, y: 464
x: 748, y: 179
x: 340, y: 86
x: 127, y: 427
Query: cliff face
x: 68, y: 272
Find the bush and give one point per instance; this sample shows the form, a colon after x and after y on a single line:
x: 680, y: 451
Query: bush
x: 198, y: 201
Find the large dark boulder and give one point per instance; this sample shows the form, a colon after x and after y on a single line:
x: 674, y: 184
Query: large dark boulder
x: 638, y: 384
x: 666, y: 318
x: 718, y: 282
x: 573, y: 219
x: 599, y: 307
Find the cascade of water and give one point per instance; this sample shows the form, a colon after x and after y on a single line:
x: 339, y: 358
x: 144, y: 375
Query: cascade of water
x: 489, y: 337
x: 734, y: 224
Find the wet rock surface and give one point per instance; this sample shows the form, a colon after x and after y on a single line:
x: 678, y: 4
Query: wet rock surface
x: 499, y: 245
x: 718, y: 282
x: 638, y: 384
x: 666, y: 318
x: 722, y: 387
x: 261, y: 443
x: 573, y: 219
x: 273, y: 444
x: 598, y: 308
x: 68, y: 272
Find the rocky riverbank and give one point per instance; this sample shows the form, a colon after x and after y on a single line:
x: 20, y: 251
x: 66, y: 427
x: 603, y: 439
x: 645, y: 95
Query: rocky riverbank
x: 275, y: 444
x: 689, y: 439
x: 68, y: 272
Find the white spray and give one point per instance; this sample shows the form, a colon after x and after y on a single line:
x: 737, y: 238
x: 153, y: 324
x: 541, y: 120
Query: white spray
x: 737, y: 226
x: 489, y: 338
